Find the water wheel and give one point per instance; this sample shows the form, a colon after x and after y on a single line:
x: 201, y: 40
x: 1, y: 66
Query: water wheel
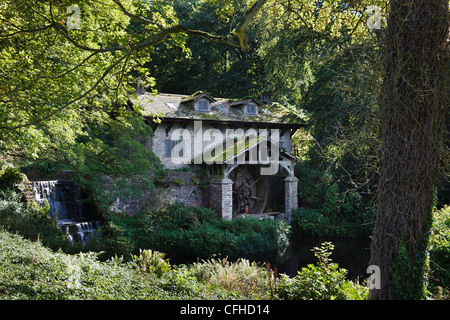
x: 249, y: 190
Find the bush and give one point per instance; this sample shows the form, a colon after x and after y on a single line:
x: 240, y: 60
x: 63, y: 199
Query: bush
x: 187, y: 233
x: 439, y: 248
x: 11, y: 176
x: 311, y: 222
x: 324, y: 281
x: 325, y: 210
x: 151, y: 262
x: 113, y: 241
x: 29, y: 270
x: 241, y: 276
x: 29, y: 220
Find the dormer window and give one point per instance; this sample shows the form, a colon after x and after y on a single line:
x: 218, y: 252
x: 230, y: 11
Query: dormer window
x: 203, y: 105
x: 248, y: 107
x: 251, y: 109
x: 200, y: 102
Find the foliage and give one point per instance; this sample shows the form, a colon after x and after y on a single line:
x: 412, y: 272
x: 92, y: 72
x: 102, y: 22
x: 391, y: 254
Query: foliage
x: 29, y: 220
x: 439, y: 249
x: 433, y: 275
x: 216, y: 68
x: 190, y: 232
x: 113, y: 160
x: 28, y: 270
x: 10, y: 177
x: 113, y: 241
x: 311, y: 222
x: 110, y: 160
x: 151, y: 262
x: 324, y: 281
x: 72, y: 74
x: 415, y: 286
x: 325, y: 210
x: 68, y: 110
x: 240, y: 276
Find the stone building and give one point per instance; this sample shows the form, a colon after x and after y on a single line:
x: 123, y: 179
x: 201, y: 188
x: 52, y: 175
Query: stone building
x: 243, y: 145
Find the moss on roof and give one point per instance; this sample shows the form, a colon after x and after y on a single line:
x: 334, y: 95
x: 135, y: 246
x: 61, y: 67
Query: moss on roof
x: 231, y: 148
x: 221, y: 109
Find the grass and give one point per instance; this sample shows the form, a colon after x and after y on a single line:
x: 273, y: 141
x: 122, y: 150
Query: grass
x: 28, y: 270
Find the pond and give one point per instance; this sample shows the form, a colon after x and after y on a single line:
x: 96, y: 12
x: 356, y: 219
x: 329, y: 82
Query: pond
x: 350, y: 254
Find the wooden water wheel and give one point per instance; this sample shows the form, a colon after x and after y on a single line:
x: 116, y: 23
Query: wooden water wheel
x: 249, y: 190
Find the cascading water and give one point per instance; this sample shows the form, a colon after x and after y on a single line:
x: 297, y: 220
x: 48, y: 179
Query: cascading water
x: 66, y: 206
x: 80, y: 231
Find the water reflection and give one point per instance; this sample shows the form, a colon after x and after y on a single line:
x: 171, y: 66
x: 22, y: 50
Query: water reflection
x: 350, y: 254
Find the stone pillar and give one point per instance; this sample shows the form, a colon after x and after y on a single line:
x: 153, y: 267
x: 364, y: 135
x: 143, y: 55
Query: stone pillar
x: 290, y: 196
x: 220, y: 197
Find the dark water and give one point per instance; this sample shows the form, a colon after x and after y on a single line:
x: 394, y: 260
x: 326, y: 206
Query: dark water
x: 350, y: 254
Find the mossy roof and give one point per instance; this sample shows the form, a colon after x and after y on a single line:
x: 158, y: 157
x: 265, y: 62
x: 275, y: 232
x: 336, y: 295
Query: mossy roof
x: 176, y: 106
x: 231, y: 148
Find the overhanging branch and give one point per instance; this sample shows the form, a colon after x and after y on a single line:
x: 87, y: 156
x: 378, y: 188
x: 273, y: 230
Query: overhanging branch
x: 241, y: 30
x: 238, y: 39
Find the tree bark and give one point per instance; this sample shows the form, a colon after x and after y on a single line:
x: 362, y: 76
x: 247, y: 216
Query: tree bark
x: 413, y: 124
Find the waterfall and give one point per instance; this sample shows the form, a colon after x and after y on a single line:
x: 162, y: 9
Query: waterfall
x: 63, y: 196
x: 80, y: 231
x: 66, y: 206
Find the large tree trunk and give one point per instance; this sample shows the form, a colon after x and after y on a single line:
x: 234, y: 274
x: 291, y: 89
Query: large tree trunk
x: 413, y: 118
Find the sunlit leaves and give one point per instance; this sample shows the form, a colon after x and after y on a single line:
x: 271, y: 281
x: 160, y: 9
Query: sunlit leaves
x: 52, y: 75
x: 336, y: 17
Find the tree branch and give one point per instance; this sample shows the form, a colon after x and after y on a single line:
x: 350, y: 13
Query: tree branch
x: 241, y: 30
x: 62, y: 107
x: 229, y: 40
x: 133, y: 16
x: 72, y: 69
x: 22, y: 30
x: 237, y: 39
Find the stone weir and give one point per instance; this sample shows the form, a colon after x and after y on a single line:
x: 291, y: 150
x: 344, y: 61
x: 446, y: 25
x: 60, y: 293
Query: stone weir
x: 65, y: 199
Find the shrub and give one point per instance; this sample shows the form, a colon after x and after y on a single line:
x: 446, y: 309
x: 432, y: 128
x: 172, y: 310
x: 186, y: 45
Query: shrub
x: 324, y: 281
x: 326, y: 210
x: 310, y: 222
x: 29, y: 270
x: 29, y: 220
x: 151, y: 262
x: 113, y: 241
x: 11, y: 176
x: 187, y: 233
x: 439, y: 248
x: 241, y: 276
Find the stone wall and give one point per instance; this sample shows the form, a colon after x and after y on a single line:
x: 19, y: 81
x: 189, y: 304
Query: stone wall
x: 188, y: 187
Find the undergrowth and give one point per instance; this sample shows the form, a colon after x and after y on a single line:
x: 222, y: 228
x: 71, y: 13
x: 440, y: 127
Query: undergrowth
x: 29, y: 270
